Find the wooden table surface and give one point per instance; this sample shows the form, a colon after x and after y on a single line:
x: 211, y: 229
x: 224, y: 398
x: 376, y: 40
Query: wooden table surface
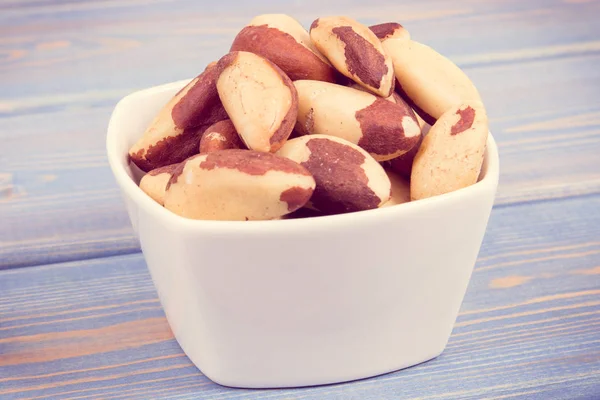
x: 79, y: 316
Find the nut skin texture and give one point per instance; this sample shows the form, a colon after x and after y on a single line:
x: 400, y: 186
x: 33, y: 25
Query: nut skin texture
x: 396, y: 98
x: 355, y: 51
x: 452, y: 153
x: 428, y: 81
x: 238, y: 185
x: 390, y: 30
x: 403, y: 164
x: 154, y: 183
x: 175, y: 132
x: 379, y: 135
x: 383, y: 128
x: 220, y: 136
x: 282, y: 40
x: 260, y: 99
x: 347, y: 178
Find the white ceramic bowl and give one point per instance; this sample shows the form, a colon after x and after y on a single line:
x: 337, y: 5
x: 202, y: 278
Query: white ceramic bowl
x: 305, y: 301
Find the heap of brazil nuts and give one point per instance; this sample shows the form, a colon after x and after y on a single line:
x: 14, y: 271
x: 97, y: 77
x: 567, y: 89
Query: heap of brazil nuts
x: 297, y: 123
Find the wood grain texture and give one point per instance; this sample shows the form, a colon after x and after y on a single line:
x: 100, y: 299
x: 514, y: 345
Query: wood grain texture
x: 63, y: 66
x: 529, y: 326
x: 82, y: 321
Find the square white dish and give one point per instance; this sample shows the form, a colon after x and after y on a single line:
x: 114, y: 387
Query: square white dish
x: 311, y: 301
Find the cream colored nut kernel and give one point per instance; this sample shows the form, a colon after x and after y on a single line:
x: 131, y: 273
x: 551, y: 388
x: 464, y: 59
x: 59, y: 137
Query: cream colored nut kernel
x: 220, y: 136
x: 154, y: 183
x: 429, y: 82
x: 175, y: 132
x: 451, y: 155
x: 260, y: 99
x: 390, y: 30
x: 382, y: 128
x: 238, y: 185
x: 400, y: 189
x: 282, y: 40
x: 355, y: 51
x: 348, y: 178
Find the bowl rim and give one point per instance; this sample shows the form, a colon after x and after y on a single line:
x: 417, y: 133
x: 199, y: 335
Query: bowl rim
x: 488, y: 183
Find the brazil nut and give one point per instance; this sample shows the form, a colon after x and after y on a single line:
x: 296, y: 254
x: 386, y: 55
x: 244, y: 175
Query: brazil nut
x: 347, y: 178
x: 282, y: 40
x: 174, y: 134
x: 154, y: 183
x: 395, y: 98
x: 381, y: 127
x: 238, y: 185
x: 379, y: 120
x: 451, y: 155
x: 430, y: 82
x: 355, y: 51
x: 220, y: 136
x: 259, y: 98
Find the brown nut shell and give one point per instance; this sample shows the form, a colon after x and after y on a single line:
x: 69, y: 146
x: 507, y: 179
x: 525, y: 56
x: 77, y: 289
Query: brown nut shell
x: 390, y: 30
x: 220, y: 136
x: 154, y: 183
x: 396, y: 98
x: 259, y: 98
x: 238, y: 185
x: 284, y: 41
x: 348, y: 179
x: 403, y: 164
x: 428, y: 81
x: 451, y: 155
x: 175, y: 132
x: 355, y: 51
x: 381, y: 127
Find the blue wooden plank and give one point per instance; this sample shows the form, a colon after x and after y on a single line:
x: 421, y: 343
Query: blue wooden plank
x: 529, y: 326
